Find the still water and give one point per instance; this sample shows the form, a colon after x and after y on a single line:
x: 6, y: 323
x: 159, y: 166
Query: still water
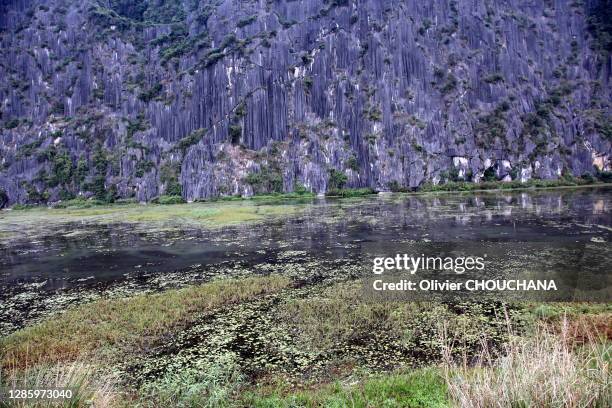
x: 50, y: 266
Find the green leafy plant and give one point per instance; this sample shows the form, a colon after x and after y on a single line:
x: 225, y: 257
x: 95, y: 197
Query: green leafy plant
x: 336, y: 180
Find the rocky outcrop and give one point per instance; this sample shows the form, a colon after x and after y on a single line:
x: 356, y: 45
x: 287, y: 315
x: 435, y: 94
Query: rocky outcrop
x: 118, y: 98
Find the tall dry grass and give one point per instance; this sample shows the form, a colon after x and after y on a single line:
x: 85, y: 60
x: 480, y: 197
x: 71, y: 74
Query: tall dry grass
x: 548, y: 369
x: 89, y: 387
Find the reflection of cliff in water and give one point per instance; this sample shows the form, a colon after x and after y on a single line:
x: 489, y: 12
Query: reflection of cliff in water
x: 329, y: 237
x: 110, y: 251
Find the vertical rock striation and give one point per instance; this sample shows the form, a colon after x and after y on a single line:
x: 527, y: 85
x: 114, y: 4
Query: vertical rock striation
x: 138, y: 98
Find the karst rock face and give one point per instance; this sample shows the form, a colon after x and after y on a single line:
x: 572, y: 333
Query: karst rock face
x: 140, y: 98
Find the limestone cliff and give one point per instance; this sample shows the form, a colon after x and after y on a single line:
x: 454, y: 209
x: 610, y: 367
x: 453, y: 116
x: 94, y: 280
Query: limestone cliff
x: 138, y: 98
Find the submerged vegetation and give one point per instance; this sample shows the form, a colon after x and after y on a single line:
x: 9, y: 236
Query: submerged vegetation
x: 209, y: 214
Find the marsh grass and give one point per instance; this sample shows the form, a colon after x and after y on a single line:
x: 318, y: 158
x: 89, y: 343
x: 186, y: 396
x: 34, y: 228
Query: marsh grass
x: 556, y: 311
x: 478, y: 354
x: 414, y: 389
x: 546, y: 369
x: 108, y: 328
x: 340, y: 315
x: 210, y: 385
x: 560, y: 364
x: 89, y: 387
x: 335, y: 314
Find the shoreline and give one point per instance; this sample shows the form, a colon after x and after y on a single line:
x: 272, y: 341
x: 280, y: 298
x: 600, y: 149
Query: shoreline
x: 346, y: 193
x: 525, y: 188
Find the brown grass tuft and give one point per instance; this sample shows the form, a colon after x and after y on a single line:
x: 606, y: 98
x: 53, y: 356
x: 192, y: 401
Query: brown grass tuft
x: 548, y: 369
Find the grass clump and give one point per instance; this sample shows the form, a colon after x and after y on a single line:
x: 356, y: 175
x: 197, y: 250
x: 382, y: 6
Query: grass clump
x: 350, y: 192
x: 560, y: 310
x: 415, y: 389
x: 208, y: 385
x: 89, y: 388
x: 169, y: 199
x: 542, y: 370
x: 108, y: 327
x: 340, y: 318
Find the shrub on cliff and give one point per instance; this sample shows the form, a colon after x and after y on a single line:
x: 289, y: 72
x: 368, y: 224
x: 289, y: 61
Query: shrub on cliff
x: 337, y: 179
x: 3, y: 198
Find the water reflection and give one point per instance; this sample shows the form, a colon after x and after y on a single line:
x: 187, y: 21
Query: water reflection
x: 88, y: 252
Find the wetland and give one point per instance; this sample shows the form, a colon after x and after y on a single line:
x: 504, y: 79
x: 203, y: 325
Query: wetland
x: 267, y: 294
